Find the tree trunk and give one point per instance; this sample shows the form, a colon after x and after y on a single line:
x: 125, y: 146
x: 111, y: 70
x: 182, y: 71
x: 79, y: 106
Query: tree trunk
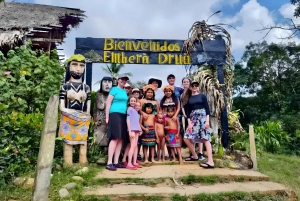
x: 214, y: 122
x: 46, y: 152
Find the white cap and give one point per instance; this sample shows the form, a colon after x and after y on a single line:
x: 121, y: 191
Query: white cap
x: 127, y: 85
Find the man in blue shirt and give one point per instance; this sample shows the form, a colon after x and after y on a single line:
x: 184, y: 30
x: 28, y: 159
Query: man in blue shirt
x: 177, y: 90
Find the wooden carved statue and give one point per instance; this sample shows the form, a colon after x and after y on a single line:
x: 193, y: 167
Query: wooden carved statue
x: 75, y: 102
x: 99, y: 111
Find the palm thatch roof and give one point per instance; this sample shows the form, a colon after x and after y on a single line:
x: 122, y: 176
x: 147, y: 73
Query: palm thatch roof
x: 45, y: 25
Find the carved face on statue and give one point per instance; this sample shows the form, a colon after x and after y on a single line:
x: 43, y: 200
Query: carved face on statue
x: 106, y: 84
x: 76, y: 69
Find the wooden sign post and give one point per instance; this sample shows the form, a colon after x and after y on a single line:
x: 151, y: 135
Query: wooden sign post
x: 44, y: 164
x: 252, y: 147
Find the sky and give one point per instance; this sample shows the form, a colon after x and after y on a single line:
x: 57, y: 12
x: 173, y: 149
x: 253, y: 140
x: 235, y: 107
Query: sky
x: 171, y: 19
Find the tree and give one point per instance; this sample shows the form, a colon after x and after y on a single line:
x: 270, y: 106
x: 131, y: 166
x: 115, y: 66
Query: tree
x: 138, y: 84
x: 289, y: 25
x: 267, y: 86
x: 114, y: 70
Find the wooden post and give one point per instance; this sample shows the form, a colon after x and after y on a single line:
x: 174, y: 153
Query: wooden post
x: 46, y: 152
x: 252, y: 147
x: 88, y: 75
x: 224, y: 116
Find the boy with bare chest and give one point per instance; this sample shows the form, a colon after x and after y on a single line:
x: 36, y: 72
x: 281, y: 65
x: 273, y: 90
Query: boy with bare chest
x: 173, y: 136
x: 148, y: 137
x: 160, y: 137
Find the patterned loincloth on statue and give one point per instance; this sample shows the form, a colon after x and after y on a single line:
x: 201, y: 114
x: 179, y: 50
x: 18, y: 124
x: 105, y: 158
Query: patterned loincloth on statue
x: 74, y: 126
x: 172, y: 139
x: 148, y: 139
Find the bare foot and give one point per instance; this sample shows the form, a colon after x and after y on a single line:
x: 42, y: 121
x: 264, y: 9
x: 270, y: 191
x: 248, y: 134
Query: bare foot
x: 153, y: 161
x: 163, y: 160
x: 173, y: 160
x: 146, y: 161
x: 181, y: 161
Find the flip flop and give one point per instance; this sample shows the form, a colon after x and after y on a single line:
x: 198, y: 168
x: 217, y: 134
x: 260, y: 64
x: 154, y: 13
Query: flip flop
x: 208, y: 166
x: 191, y: 159
x: 131, y: 167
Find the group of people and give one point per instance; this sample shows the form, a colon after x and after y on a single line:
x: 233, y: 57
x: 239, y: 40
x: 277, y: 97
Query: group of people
x: 153, y: 119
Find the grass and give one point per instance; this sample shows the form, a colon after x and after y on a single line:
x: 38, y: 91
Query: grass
x: 59, y: 179
x: 213, y: 179
x: 230, y: 196
x: 139, y: 181
x: 282, y: 169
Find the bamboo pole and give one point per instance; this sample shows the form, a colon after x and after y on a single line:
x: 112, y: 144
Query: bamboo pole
x: 45, y: 158
x: 252, y: 147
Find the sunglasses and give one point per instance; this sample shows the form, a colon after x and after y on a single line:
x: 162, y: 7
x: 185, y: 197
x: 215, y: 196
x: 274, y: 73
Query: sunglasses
x: 195, y: 85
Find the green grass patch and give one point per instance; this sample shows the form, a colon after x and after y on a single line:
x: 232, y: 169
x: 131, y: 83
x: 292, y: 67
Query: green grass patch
x: 228, y: 196
x: 139, y: 181
x: 213, y: 179
x: 238, y: 196
x: 58, y: 180
x: 282, y: 169
x: 177, y: 197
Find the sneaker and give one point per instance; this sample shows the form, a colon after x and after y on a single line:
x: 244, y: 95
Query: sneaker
x: 111, y: 167
x: 200, y: 157
x: 139, y: 157
x: 119, y: 165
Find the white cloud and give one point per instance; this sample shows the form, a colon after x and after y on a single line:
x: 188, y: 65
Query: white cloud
x: 167, y: 19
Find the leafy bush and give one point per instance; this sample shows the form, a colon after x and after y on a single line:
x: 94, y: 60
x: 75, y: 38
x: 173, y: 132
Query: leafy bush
x: 27, y: 80
x: 19, y: 145
x: 270, y: 136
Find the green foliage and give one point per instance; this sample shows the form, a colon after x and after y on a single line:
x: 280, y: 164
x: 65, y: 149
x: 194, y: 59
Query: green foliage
x: 113, y: 70
x: 267, y: 88
x: 241, y: 142
x: 27, y: 79
x: 19, y: 145
x: 270, y: 136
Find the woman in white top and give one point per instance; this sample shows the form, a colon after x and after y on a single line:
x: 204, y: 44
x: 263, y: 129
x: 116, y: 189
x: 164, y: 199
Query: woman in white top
x: 159, y: 94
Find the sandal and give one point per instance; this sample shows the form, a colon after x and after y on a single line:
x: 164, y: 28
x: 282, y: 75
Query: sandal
x: 191, y: 159
x: 119, y: 165
x: 111, y: 167
x: 125, y: 163
x: 137, y: 166
x: 131, y: 167
x: 206, y: 166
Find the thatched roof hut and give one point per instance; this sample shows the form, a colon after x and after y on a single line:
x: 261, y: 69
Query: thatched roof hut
x: 46, y: 26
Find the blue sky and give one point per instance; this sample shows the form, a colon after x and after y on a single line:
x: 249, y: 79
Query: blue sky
x: 171, y: 19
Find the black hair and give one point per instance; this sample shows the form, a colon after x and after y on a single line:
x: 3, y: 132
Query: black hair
x: 147, y: 105
x: 170, y: 109
x: 153, y: 98
x: 105, y: 78
x: 174, y: 98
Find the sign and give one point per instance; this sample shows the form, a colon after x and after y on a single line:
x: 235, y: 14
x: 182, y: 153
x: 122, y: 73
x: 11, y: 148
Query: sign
x: 146, y: 51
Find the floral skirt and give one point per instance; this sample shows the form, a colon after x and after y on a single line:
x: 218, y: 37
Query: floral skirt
x: 198, y: 119
x: 172, y: 140
x: 74, y: 126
